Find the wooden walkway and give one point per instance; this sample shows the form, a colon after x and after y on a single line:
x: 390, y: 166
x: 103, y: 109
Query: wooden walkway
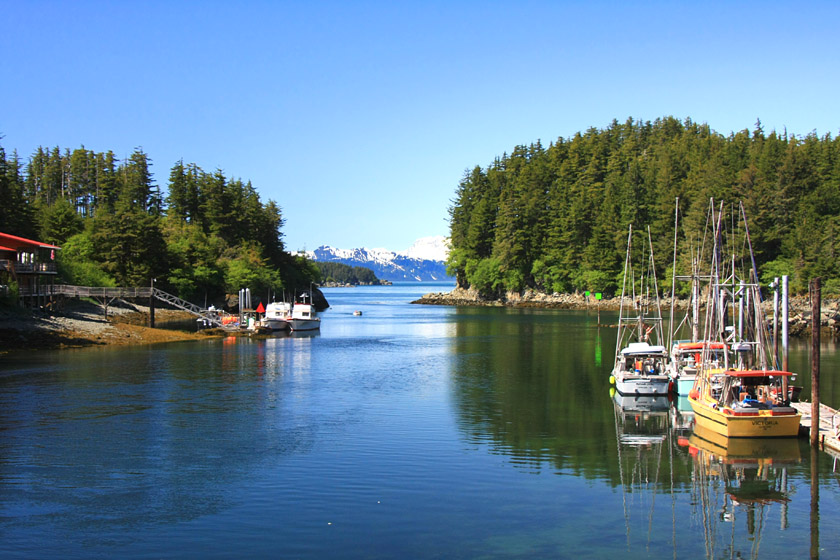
x: 107, y: 295
x: 829, y: 428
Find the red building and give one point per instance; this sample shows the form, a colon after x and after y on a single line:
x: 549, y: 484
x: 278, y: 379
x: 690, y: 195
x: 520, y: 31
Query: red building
x: 30, y: 264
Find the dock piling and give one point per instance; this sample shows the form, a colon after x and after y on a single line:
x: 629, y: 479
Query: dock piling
x: 816, y: 297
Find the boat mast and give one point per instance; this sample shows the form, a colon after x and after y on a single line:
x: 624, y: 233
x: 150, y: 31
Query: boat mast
x: 658, y: 320
x: 671, y: 332
x: 627, y: 271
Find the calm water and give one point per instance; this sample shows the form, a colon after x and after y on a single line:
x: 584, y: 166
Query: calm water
x: 408, y: 432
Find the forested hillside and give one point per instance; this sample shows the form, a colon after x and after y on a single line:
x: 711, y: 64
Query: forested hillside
x: 556, y: 218
x: 208, y: 236
x: 341, y: 273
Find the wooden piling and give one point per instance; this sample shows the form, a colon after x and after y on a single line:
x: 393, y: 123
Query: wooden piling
x: 816, y: 297
x: 152, y: 305
x: 815, y: 505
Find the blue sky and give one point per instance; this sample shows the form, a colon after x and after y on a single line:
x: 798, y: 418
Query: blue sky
x: 360, y: 118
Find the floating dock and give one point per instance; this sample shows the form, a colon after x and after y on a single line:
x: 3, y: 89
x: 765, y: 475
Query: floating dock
x: 829, y: 428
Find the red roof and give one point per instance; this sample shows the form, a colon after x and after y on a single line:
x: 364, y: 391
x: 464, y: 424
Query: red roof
x: 19, y: 242
x: 6, y: 248
x: 756, y: 373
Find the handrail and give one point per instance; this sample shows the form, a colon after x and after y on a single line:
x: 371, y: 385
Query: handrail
x: 103, y: 292
x: 186, y: 306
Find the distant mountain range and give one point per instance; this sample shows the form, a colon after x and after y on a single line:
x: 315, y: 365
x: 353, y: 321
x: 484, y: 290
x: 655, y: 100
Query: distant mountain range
x: 422, y: 262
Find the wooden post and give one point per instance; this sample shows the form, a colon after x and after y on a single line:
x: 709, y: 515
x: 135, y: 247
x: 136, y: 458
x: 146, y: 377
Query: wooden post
x: 815, y: 503
x: 816, y: 296
x: 152, y: 305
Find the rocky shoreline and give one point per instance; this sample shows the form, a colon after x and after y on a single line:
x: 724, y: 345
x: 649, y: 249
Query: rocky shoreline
x: 799, y: 323
x: 82, y: 324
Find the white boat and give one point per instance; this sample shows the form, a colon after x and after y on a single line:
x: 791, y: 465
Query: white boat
x: 304, y: 318
x: 641, y: 361
x: 277, y: 314
x: 641, y: 370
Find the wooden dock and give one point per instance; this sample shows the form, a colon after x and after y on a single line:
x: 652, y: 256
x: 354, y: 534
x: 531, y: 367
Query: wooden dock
x: 829, y: 428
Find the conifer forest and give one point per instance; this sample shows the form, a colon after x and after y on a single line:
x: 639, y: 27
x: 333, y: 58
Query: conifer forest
x: 556, y: 218
x: 208, y: 236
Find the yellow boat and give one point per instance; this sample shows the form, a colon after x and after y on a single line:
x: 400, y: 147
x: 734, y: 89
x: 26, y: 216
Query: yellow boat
x: 743, y: 404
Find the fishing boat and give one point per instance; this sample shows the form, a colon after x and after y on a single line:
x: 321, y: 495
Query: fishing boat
x: 685, y: 359
x: 742, y: 396
x: 742, y: 403
x: 641, y: 360
x: 277, y: 315
x: 304, y: 317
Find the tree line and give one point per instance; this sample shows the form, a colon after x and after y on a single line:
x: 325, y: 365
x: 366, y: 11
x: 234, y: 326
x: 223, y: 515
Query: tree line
x: 208, y: 236
x: 341, y: 273
x: 556, y: 218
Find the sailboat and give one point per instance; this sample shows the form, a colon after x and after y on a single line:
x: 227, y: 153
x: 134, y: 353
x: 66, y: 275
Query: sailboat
x: 640, y: 358
x: 742, y: 396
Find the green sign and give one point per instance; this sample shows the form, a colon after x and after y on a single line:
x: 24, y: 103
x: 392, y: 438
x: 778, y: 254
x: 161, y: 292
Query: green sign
x: 586, y: 294
x: 598, y: 295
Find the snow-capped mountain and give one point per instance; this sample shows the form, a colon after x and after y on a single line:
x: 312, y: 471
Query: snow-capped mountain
x: 422, y: 262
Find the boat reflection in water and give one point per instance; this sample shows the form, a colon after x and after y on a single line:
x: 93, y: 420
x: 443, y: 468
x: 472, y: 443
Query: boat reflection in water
x: 641, y: 403
x: 682, y: 417
x: 642, y: 433
x: 752, y: 476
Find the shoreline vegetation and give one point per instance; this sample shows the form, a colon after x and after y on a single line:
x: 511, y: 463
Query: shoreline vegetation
x: 799, y: 316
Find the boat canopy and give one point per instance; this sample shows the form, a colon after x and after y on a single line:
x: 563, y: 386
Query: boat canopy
x: 643, y: 349
x: 700, y: 345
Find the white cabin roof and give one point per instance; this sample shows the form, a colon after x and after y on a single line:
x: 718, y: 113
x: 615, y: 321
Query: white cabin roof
x: 642, y: 348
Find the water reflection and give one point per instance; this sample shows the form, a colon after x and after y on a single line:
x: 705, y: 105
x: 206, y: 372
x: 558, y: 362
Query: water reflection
x: 642, y: 441
x: 147, y: 439
x: 526, y: 384
x: 740, y: 481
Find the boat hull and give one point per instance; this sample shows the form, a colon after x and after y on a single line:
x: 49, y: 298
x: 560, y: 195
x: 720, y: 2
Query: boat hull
x: 759, y: 424
x: 643, y: 385
x: 683, y: 385
x: 304, y: 324
x: 276, y: 324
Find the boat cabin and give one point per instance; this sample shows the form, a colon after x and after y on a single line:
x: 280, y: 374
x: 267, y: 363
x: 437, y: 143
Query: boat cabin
x: 689, y: 355
x: 643, y: 358
x: 751, y: 389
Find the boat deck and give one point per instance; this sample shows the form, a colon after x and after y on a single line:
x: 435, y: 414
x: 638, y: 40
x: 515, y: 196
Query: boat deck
x: 829, y: 428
